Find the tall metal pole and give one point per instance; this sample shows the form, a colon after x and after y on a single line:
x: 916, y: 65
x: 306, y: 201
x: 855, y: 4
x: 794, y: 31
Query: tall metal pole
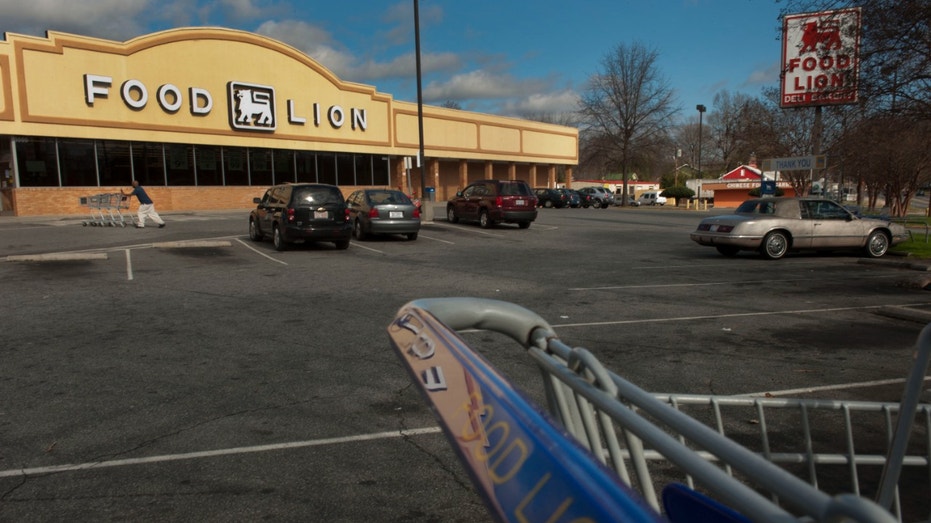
x: 701, y: 112
x: 421, y: 160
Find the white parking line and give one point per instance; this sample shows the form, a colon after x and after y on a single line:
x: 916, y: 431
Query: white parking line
x: 214, y: 453
x: 714, y: 283
x: 253, y: 249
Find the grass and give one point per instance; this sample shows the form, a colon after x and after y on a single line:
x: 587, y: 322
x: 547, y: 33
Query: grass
x: 919, y: 246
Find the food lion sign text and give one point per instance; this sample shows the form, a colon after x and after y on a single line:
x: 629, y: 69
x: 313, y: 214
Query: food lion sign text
x: 820, y: 58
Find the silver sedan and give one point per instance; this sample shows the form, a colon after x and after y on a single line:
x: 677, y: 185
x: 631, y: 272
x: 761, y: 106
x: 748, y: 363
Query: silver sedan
x: 383, y: 211
x: 775, y: 226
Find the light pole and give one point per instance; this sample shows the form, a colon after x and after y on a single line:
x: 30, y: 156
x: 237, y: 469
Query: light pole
x: 701, y: 112
x: 421, y: 161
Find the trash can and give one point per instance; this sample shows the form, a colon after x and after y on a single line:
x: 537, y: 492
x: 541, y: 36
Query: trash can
x: 429, y: 194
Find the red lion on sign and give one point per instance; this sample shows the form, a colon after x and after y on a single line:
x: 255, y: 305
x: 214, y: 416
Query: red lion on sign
x: 828, y: 35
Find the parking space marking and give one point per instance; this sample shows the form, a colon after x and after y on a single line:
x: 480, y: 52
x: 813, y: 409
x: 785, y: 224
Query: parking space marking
x: 215, y: 453
x: 714, y: 283
x: 359, y: 245
x: 129, y: 266
x: 253, y: 249
x: 840, y: 386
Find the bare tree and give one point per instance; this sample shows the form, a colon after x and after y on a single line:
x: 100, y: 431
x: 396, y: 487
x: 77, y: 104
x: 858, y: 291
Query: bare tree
x: 627, y: 109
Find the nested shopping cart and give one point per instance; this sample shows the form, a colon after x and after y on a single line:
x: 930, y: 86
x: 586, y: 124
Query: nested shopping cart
x: 106, y: 209
x: 604, y: 449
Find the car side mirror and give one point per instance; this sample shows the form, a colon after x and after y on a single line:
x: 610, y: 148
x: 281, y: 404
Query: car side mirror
x: 458, y: 194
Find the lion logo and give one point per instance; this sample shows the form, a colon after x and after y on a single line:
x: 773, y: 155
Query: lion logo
x: 252, y: 107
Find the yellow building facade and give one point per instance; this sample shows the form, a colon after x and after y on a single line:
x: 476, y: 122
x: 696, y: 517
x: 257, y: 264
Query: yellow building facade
x: 208, y: 118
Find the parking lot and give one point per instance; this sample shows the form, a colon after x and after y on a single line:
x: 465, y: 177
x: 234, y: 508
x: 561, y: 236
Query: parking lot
x: 187, y: 373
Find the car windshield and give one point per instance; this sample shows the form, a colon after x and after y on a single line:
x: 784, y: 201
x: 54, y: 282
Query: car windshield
x: 308, y: 196
x: 515, y: 189
x: 388, y: 198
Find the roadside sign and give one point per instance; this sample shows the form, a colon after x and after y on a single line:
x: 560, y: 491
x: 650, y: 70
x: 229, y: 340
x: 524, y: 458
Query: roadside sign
x: 797, y: 163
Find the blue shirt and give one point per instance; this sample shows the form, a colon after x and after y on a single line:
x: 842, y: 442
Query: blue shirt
x: 141, y: 195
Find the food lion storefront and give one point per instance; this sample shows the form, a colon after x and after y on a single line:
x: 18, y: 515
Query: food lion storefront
x: 207, y: 118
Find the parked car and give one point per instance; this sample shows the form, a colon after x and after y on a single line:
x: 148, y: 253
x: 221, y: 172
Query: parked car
x: 631, y: 201
x: 491, y: 201
x: 294, y: 212
x: 383, y: 211
x: 775, y: 226
x: 652, y: 198
x: 601, y: 198
x: 575, y: 199
x: 550, y: 198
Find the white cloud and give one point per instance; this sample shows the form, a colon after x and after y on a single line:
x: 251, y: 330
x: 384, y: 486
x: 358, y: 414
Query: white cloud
x: 113, y: 19
x: 544, y: 103
x: 314, y: 41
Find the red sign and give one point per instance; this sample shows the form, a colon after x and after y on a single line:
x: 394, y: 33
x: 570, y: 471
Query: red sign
x: 820, y: 58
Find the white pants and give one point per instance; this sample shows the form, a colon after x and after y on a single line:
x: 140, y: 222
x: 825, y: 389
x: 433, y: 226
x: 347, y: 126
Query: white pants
x: 148, y: 210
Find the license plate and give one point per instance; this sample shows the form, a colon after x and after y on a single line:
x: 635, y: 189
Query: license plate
x: 395, y: 214
x: 521, y: 202
x: 321, y: 215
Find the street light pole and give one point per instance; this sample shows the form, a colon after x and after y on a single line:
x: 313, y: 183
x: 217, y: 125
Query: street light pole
x: 421, y: 161
x: 701, y: 112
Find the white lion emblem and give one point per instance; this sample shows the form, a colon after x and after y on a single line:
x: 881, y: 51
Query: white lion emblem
x: 250, y: 103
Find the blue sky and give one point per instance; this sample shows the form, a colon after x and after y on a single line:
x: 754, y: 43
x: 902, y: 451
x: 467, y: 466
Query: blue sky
x: 502, y: 57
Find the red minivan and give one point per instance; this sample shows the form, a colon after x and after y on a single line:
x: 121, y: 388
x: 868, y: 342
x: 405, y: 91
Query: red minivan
x: 492, y: 201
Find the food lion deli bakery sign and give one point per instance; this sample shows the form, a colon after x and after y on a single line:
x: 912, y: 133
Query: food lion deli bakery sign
x: 820, y: 58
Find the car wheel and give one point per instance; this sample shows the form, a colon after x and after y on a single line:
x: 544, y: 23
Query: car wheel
x: 523, y: 225
x: 411, y: 236
x: 728, y: 250
x: 775, y: 245
x: 606, y: 205
x: 548, y: 204
x: 277, y: 240
x: 596, y: 204
x: 877, y: 244
x: 585, y: 206
x: 357, y: 231
x: 254, y: 233
x: 342, y: 244
x: 451, y: 215
x: 484, y: 220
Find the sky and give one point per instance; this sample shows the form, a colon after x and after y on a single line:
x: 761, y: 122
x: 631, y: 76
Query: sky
x: 503, y: 57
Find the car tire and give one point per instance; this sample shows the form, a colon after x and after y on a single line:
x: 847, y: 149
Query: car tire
x: 483, y: 220
x: 357, y: 231
x: 775, y: 245
x: 451, y: 215
x: 277, y: 240
x: 411, y: 236
x: 728, y: 250
x: 523, y: 225
x: 606, y: 205
x: 548, y: 204
x: 877, y: 244
x: 596, y: 204
x: 254, y: 233
x: 341, y: 244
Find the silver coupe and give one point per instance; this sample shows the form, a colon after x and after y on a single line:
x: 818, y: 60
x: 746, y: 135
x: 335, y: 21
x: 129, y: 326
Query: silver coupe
x: 775, y: 226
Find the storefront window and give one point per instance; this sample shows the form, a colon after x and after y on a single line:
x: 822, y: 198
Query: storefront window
x: 113, y: 163
x: 209, y: 171
x: 180, y: 160
x: 261, y: 167
x: 37, y: 162
x: 381, y: 171
x: 234, y: 166
x: 326, y: 168
x: 148, y: 163
x: 78, y: 168
x: 306, y: 163
x: 284, y: 166
x: 345, y: 169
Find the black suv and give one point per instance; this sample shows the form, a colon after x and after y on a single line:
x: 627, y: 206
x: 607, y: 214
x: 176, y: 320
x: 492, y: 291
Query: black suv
x: 551, y: 198
x: 301, y: 211
x: 491, y: 201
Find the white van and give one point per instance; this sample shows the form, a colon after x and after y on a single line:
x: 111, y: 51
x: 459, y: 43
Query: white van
x: 652, y: 198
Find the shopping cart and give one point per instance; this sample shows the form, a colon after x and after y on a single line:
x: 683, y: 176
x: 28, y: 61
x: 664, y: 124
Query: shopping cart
x: 604, y: 447
x: 106, y: 209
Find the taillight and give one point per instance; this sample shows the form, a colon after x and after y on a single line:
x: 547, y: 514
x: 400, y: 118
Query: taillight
x: 499, y: 201
x: 346, y: 214
x: 725, y: 228
x: 290, y: 212
x: 416, y: 212
x: 373, y: 213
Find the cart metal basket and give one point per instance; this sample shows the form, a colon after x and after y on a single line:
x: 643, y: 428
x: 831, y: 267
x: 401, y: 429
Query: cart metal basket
x: 603, y: 447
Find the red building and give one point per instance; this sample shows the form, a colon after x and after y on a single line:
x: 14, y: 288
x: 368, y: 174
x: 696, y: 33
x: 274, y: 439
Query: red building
x: 733, y: 188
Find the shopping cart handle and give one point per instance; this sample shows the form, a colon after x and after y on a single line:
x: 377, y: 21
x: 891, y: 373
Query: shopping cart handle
x: 523, y: 325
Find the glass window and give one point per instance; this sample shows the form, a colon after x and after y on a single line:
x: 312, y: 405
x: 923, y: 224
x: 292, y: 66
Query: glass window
x: 209, y: 170
x: 363, y: 168
x: 306, y: 166
x: 78, y: 168
x: 180, y: 159
x: 326, y: 168
x: 313, y: 196
x: 284, y: 166
x: 234, y: 166
x: 37, y: 162
x: 148, y: 163
x: 260, y: 172
x: 380, y: 171
x: 113, y: 163
x: 345, y: 170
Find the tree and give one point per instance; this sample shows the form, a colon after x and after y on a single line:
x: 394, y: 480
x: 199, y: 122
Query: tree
x: 627, y: 110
